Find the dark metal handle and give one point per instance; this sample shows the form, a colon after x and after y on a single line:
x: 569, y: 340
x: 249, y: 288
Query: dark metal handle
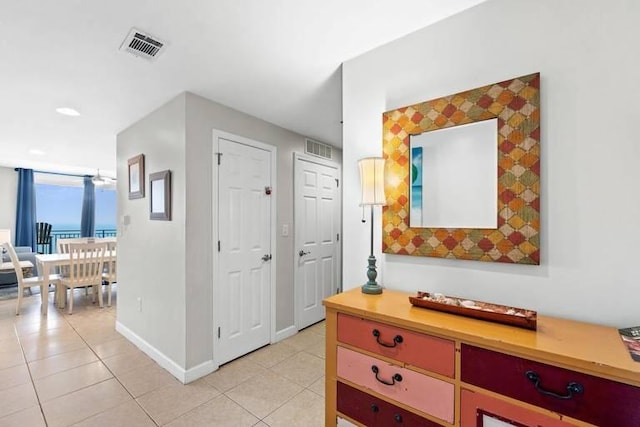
x: 374, y: 407
x: 395, y: 378
x: 398, y: 418
x: 303, y: 253
x: 572, y: 387
x: 396, y: 340
x: 266, y: 257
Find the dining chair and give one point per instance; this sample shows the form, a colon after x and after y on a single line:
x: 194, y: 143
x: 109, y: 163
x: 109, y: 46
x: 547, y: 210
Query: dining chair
x: 29, y: 282
x: 62, y: 247
x: 86, y: 264
x: 109, y: 274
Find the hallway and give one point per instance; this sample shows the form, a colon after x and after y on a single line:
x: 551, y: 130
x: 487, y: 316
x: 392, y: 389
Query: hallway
x: 77, y: 370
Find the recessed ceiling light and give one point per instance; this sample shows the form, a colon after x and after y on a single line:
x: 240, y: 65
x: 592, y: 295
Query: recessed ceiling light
x: 68, y: 111
x: 37, y: 152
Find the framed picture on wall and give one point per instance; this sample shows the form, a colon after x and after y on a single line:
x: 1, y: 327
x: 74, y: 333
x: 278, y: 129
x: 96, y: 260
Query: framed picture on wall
x: 136, y: 176
x: 160, y: 188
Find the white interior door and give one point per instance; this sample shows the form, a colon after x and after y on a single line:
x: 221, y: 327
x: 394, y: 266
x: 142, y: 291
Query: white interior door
x: 317, y: 234
x: 244, y: 232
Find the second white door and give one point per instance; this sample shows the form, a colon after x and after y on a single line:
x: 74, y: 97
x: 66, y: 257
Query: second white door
x: 317, y: 229
x: 244, y: 267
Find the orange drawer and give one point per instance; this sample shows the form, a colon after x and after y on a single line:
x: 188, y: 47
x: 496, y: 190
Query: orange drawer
x: 595, y: 400
x: 426, y: 394
x: 372, y: 411
x: 423, y: 351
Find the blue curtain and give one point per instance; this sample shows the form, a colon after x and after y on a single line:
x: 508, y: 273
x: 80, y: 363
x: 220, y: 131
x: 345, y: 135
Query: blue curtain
x: 26, y: 209
x: 88, y: 220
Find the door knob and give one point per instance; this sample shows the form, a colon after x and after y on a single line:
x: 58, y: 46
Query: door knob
x: 303, y: 253
x: 266, y: 257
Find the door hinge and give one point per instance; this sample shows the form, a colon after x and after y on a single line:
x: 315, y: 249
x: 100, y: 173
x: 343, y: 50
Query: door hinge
x: 337, y: 182
x: 219, y: 156
x: 218, y: 245
x: 338, y: 237
x: 218, y: 332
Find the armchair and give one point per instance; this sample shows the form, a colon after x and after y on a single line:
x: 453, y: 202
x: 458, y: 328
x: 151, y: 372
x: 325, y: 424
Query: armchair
x: 25, y: 253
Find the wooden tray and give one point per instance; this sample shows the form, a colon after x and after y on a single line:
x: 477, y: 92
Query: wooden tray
x: 514, y: 316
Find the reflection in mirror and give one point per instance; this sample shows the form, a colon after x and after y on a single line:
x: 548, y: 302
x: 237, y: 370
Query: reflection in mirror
x: 454, y: 178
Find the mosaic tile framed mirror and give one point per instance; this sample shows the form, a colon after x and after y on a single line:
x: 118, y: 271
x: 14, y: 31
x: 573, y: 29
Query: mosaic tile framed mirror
x: 509, y: 114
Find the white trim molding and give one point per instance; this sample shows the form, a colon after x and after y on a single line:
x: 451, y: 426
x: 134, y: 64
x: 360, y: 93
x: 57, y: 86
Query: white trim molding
x: 183, y: 375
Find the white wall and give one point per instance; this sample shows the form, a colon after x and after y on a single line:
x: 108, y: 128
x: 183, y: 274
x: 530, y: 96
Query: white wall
x: 589, y: 68
x: 151, y: 254
x: 8, y: 199
x: 169, y: 264
x: 202, y: 117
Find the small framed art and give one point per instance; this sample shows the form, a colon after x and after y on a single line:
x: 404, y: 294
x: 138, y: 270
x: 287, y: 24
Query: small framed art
x: 160, y: 189
x: 136, y: 176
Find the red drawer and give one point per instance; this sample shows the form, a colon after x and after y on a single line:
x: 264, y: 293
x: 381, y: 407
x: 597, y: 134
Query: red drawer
x: 371, y: 411
x: 600, y: 401
x: 423, y: 351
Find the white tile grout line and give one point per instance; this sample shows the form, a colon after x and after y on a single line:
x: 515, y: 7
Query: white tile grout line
x: 65, y: 317
x: 33, y: 384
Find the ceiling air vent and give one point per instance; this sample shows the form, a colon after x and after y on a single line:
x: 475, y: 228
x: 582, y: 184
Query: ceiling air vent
x: 142, y: 45
x: 317, y: 149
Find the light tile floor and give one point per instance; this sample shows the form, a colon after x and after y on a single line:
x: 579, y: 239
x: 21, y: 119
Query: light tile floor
x: 63, y: 370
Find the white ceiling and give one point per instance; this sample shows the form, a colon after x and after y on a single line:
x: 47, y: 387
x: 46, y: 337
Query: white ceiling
x: 278, y: 60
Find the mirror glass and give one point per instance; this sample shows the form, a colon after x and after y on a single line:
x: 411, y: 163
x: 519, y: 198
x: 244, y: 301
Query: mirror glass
x: 454, y: 177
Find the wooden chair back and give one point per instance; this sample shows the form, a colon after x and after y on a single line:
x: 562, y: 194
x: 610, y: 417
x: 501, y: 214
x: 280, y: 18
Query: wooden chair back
x: 86, y: 262
x: 110, y: 266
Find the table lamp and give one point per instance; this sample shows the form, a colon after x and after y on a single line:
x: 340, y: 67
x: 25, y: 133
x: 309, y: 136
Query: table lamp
x: 372, y: 190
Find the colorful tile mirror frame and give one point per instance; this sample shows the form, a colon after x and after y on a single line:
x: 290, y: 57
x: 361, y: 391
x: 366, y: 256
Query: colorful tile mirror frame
x: 516, y: 105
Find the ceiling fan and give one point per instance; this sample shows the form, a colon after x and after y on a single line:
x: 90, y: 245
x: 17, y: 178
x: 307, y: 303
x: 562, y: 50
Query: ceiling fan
x: 102, y: 180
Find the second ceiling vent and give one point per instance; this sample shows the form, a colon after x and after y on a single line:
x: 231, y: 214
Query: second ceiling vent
x: 318, y: 149
x: 142, y: 45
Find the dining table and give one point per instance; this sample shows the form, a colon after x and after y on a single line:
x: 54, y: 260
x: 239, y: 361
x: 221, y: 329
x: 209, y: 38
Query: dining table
x: 48, y: 262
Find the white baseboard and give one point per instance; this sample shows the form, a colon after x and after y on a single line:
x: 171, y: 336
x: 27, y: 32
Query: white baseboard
x: 285, y: 333
x: 184, y: 376
x: 203, y: 369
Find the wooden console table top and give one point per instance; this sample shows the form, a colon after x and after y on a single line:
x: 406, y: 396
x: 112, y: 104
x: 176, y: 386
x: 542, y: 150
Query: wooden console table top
x: 586, y: 347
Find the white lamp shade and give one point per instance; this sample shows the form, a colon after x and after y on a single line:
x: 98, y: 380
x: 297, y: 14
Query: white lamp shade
x: 5, y: 236
x: 372, y: 181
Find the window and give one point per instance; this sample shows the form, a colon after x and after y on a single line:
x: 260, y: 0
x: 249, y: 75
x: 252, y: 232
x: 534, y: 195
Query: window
x: 59, y: 202
x: 106, y: 211
x: 59, y: 205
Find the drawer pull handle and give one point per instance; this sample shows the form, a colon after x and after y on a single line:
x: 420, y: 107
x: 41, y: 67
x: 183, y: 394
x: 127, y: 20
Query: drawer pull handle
x: 374, y: 408
x: 396, y: 340
x: 398, y: 418
x: 394, y: 379
x: 572, y: 387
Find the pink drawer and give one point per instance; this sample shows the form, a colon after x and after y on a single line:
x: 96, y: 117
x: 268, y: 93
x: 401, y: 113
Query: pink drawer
x: 426, y: 394
x: 595, y: 400
x: 423, y: 351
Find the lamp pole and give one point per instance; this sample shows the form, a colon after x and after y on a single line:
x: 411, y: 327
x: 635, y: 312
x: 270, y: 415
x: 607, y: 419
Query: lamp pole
x: 372, y: 287
x: 372, y: 189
